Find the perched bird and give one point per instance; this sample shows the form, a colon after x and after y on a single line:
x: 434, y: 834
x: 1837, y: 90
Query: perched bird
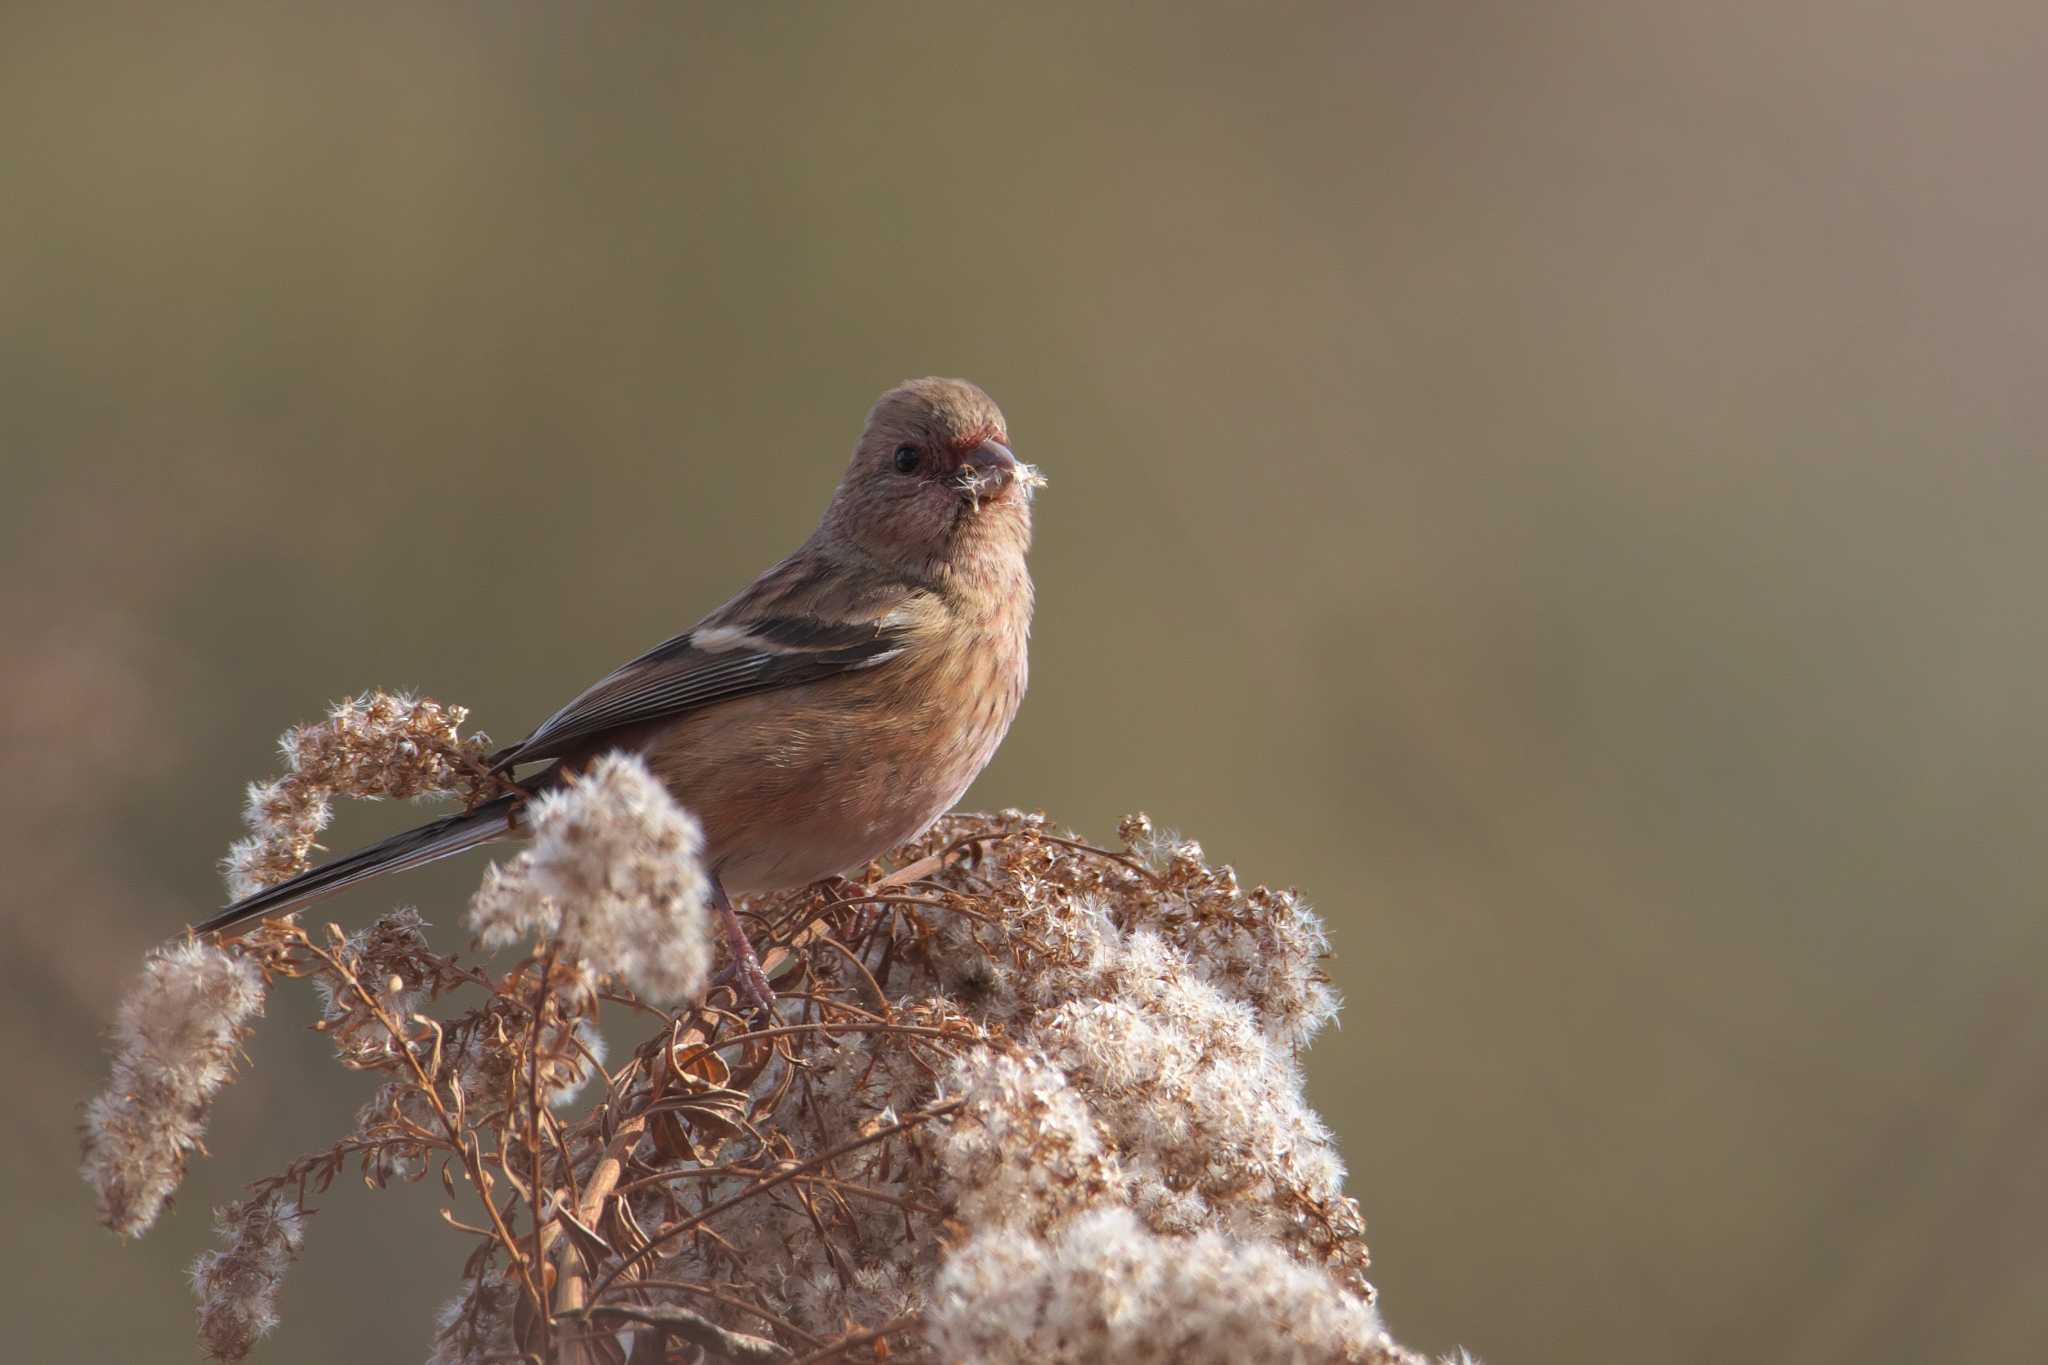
x: 835, y: 708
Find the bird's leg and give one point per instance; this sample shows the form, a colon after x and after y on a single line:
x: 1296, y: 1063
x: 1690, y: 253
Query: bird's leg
x: 745, y: 974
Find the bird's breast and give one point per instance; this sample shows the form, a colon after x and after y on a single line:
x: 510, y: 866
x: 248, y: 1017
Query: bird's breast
x: 811, y: 782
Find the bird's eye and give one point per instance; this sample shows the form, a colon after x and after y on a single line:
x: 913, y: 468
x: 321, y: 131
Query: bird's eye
x: 906, y: 459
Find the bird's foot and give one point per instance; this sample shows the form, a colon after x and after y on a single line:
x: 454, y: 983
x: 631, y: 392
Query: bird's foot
x: 750, y: 984
x: 744, y: 975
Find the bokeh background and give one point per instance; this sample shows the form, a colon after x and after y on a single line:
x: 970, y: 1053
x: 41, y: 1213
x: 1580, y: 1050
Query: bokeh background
x: 1563, y: 484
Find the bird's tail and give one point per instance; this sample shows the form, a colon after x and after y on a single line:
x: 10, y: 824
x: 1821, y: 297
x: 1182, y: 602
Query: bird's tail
x: 437, y: 839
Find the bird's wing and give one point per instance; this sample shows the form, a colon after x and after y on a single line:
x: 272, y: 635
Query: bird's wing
x: 716, y: 661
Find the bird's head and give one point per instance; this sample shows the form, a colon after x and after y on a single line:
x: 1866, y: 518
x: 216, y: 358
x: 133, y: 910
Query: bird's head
x: 933, y: 485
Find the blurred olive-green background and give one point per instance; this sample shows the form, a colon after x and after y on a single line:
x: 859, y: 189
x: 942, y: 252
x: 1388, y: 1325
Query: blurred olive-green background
x: 1561, y: 483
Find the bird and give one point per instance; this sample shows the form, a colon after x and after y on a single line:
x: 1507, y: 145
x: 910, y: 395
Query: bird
x: 835, y: 708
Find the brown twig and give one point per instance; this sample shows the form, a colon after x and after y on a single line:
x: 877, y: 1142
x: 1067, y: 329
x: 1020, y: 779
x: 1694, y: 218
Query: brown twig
x: 833, y: 1350
x: 788, y: 1173
x: 464, y: 1141
x: 697, y: 1330
x: 533, y: 1106
x: 705, y: 1291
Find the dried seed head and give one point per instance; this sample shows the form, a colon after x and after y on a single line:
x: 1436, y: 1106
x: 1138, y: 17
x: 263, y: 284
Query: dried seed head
x: 237, y: 1285
x: 174, y: 1047
x: 1106, y: 1288
x: 381, y: 745
x: 614, y: 870
x: 1134, y: 829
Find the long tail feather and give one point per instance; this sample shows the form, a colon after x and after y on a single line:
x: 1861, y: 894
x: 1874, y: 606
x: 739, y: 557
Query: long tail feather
x: 409, y: 849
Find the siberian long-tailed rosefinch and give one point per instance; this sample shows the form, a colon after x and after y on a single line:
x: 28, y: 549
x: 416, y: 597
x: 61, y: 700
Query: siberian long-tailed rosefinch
x: 835, y: 708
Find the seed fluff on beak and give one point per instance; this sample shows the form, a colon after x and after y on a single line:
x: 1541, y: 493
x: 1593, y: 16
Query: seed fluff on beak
x: 988, y: 467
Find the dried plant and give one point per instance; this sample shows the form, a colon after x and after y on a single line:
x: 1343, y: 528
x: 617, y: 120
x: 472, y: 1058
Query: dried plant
x: 1021, y: 1098
x: 373, y: 747
x: 174, y: 1047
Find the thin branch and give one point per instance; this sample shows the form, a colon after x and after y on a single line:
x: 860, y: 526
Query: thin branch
x: 533, y: 1106
x: 788, y: 1173
x: 908, y: 1322
x: 780, y: 1324
x: 698, y: 1331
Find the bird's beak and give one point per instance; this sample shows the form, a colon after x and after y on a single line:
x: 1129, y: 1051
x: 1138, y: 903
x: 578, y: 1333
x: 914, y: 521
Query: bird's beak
x: 990, y: 463
x: 987, y: 471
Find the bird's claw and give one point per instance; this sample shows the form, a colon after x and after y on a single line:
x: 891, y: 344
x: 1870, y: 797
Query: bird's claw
x: 749, y: 983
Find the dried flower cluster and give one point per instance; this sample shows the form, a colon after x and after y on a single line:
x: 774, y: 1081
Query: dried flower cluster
x: 1107, y: 1288
x: 378, y: 746
x: 237, y: 1286
x: 1021, y: 1099
x: 174, y: 1047
x: 613, y: 873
